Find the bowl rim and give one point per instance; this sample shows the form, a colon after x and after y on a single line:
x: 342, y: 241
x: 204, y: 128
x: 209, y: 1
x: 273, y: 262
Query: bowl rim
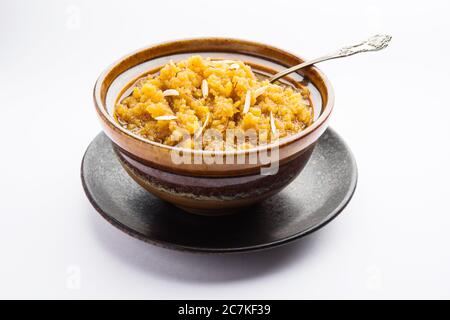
x: 101, y: 107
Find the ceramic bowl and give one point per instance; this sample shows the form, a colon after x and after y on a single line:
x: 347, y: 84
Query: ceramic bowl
x: 223, y: 186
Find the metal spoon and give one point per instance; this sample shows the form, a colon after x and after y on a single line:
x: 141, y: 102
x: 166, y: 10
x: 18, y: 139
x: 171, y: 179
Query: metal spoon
x: 374, y: 43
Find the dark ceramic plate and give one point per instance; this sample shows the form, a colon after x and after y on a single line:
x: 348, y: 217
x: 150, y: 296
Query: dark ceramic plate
x: 319, y: 194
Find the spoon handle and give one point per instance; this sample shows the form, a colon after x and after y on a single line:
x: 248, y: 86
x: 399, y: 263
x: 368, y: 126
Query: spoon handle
x: 374, y: 43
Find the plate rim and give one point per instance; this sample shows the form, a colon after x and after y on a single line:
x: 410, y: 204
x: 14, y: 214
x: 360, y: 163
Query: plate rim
x: 259, y: 247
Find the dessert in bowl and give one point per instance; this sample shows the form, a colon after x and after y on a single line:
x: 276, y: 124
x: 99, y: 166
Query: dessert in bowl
x: 184, y: 100
x: 158, y: 104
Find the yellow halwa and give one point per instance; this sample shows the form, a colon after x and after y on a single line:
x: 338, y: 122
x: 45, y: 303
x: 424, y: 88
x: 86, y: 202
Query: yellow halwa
x: 187, y: 98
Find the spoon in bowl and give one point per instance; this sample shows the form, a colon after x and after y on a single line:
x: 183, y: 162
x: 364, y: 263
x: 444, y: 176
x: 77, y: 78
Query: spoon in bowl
x: 374, y: 43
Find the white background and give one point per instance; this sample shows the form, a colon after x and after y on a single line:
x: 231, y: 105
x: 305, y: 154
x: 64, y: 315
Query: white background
x: 392, y: 108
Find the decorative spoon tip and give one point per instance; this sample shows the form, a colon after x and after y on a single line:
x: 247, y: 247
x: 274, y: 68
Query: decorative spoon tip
x: 374, y: 43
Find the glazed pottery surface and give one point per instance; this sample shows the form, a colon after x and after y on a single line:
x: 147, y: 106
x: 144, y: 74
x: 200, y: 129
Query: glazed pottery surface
x: 213, y: 195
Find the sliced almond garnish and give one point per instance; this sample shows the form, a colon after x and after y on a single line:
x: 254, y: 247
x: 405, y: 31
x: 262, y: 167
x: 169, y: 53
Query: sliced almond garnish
x: 205, y: 89
x: 272, y: 124
x: 198, y: 133
x: 248, y: 98
x: 168, y: 117
x: 170, y: 92
x: 235, y: 66
x: 121, y: 122
x: 225, y: 61
x: 137, y: 84
x: 260, y: 91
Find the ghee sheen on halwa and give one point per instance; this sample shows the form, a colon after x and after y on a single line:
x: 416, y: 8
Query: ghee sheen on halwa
x: 192, y: 96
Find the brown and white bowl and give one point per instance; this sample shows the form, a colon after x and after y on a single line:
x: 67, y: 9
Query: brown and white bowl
x: 210, y: 188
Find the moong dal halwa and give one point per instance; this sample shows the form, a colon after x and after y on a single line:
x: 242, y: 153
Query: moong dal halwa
x: 177, y: 106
